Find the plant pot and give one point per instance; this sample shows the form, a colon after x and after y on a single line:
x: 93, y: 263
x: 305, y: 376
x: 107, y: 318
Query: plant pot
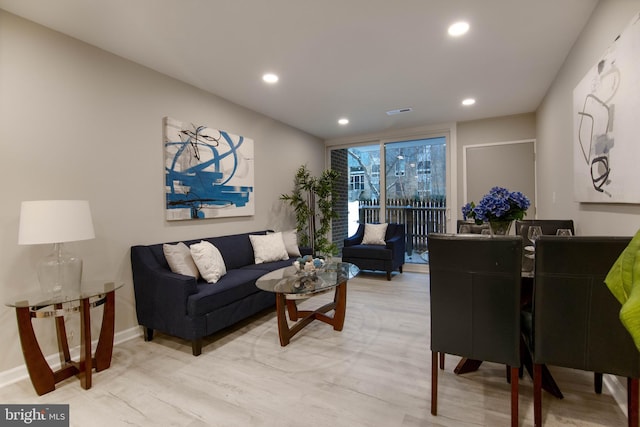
x: 500, y: 228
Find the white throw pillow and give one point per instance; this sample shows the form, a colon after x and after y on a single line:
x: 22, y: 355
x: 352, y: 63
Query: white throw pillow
x: 269, y: 247
x: 180, y: 261
x: 209, y: 261
x: 374, y: 234
x: 290, y: 238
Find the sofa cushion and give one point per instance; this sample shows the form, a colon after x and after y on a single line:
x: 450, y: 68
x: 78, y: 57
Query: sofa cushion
x: 209, y: 261
x: 268, y: 248
x: 266, y: 267
x: 290, y: 238
x: 367, y: 252
x: 235, y: 285
x: 236, y: 249
x: 179, y: 258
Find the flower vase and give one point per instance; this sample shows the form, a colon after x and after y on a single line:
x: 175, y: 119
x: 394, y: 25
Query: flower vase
x: 500, y: 228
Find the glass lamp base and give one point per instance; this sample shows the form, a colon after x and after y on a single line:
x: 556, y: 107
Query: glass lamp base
x: 60, y: 272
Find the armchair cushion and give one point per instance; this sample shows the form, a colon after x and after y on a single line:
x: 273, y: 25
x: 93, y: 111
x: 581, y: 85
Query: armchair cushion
x: 368, y: 251
x: 374, y: 234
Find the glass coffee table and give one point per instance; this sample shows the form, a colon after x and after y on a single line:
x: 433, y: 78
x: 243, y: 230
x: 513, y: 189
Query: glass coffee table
x: 291, y: 285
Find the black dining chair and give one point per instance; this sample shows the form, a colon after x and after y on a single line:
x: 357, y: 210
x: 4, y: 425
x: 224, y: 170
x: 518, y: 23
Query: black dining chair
x: 475, y: 303
x: 549, y: 226
x: 576, y: 318
x: 473, y: 227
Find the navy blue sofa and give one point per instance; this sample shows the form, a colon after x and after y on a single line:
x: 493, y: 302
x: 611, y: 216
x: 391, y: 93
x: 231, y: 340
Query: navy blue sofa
x: 191, y: 309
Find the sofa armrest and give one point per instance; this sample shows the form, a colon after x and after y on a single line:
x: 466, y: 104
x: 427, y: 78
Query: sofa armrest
x: 161, y: 295
x: 304, y: 250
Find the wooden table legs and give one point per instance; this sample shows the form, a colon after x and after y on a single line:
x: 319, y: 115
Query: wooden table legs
x: 43, y: 378
x: 304, y: 317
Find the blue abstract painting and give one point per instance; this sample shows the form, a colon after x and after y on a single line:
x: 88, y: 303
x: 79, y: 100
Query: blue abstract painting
x: 209, y: 173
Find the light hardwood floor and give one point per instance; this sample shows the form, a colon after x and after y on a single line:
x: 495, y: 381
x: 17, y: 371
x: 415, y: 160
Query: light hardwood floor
x: 376, y: 372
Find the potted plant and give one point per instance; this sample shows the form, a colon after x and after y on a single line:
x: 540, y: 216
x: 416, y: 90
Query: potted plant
x: 500, y: 207
x: 313, y: 200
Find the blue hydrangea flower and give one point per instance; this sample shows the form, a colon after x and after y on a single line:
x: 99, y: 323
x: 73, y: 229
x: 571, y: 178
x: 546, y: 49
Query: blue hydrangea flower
x: 467, y: 211
x: 498, y: 204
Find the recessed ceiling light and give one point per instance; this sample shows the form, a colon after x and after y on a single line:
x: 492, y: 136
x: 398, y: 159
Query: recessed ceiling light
x: 468, y: 101
x: 343, y: 121
x: 270, y: 78
x: 458, y: 28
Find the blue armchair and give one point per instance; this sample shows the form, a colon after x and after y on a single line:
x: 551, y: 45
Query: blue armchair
x: 388, y: 257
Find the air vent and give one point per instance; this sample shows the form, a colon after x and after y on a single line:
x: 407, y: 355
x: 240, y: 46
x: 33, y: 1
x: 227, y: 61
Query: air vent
x: 399, y: 111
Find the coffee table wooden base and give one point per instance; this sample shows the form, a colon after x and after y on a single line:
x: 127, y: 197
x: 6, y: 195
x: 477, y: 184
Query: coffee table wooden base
x: 304, y: 317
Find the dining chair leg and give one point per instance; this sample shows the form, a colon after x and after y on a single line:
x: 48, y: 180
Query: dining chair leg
x: 434, y: 383
x: 520, y: 373
x: 442, y: 361
x: 633, y: 394
x: 537, y: 395
x: 514, y: 397
x: 597, y: 382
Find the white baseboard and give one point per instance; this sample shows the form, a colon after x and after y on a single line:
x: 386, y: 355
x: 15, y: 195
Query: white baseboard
x: 20, y: 372
x: 618, y: 390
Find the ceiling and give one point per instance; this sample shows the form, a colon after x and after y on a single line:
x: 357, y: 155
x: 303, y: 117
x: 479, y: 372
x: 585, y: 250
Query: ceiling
x: 338, y: 58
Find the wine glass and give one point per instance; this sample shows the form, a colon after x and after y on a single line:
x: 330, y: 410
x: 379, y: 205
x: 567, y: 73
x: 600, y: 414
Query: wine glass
x: 465, y: 229
x: 534, y: 232
x: 564, y: 232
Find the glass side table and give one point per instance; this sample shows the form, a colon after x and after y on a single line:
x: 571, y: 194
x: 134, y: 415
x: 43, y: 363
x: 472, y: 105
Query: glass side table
x: 41, y: 305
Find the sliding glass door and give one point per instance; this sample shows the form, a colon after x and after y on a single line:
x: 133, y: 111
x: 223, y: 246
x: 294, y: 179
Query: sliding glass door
x: 394, y: 181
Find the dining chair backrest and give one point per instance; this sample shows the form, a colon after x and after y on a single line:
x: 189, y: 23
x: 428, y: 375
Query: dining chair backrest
x: 475, y: 296
x: 575, y: 317
x: 549, y: 226
x: 473, y: 227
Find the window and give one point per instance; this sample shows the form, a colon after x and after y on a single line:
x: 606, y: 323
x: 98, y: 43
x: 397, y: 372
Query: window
x: 424, y: 167
x: 356, y: 181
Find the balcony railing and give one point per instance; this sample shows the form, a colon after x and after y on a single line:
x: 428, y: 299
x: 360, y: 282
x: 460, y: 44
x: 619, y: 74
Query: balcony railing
x: 420, y: 217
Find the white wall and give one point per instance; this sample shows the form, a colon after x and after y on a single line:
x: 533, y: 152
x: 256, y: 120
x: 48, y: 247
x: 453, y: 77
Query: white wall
x: 78, y: 122
x: 555, y: 132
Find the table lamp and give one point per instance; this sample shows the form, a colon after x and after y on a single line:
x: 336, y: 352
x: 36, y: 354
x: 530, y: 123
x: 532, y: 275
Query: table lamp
x: 56, y: 221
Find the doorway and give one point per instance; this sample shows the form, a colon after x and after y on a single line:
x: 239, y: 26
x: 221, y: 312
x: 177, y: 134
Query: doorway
x: 505, y: 164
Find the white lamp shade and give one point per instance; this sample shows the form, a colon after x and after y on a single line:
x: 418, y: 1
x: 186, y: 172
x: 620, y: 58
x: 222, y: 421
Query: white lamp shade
x: 54, y: 221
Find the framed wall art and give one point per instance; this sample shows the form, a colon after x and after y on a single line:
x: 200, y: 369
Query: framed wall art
x: 606, y: 107
x: 209, y: 173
